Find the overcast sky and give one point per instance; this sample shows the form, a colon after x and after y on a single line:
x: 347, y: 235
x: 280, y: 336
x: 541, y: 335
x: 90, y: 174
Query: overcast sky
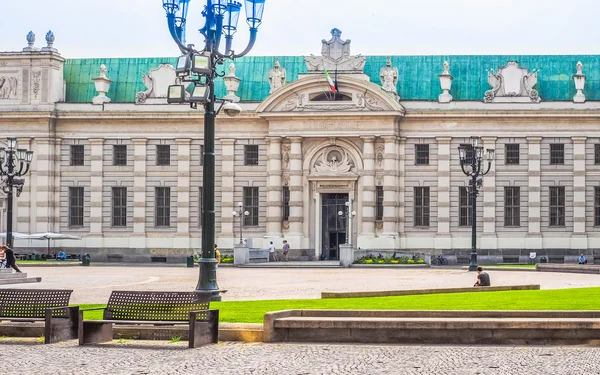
x: 137, y: 28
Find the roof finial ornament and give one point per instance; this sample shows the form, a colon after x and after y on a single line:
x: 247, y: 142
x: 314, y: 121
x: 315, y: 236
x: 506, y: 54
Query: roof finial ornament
x: 50, y: 41
x: 102, y: 84
x: 445, y: 83
x: 579, y: 79
x: 232, y: 84
x: 30, y: 43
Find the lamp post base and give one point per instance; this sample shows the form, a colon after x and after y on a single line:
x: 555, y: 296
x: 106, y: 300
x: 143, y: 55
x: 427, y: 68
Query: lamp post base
x: 208, y: 278
x: 473, y: 261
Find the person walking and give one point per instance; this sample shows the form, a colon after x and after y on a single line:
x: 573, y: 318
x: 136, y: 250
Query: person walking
x: 272, y: 255
x: 217, y: 256
x: 11, y: 261
x: 286, y: 250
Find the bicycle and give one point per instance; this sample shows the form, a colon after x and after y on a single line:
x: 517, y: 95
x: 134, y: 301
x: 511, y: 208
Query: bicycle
x: 438, y: 260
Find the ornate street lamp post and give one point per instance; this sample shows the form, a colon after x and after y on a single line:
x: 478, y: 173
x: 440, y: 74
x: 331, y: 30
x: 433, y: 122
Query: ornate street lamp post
x: 471, y: 162
x: 14, y: 162
x: 347, y: 215
x: 199, y: 68
x: 241, y: 213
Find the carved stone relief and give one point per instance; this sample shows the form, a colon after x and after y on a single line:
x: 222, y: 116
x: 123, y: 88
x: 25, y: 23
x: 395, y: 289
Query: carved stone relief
x: 512, y: 84
x: 335, y: 55
x: 379, y: 149
x: 298, y: 103
x: 9, y: 87
x: 333, y: 161
x: 157, y: 83
x: 36, y: 83
x: 379, y: 179
x: 285, y: 180
x: 286, y: 148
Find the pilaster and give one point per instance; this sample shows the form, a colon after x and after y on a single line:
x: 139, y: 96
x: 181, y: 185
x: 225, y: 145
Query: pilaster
x: 368, y: 204
x: 227, y: 178
x: 296, y: 189
x: 183, y: 187
x: 42, y: 171
x: 443, y: 209
x: 139, y: 186
x: 24, y: 217
x: 390, y: 203
x: 401, y: 194
x: 274, y: 188
x: 488, y: 238
x: 96, y: 184
x: 579, y: 239
x: 534, y: 237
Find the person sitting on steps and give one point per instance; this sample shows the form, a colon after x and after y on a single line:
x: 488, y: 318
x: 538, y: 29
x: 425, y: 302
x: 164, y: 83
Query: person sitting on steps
x: 483, y: 279
x: 582, y: 259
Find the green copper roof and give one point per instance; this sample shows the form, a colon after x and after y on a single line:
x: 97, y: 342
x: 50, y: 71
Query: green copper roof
x: 417, y: 79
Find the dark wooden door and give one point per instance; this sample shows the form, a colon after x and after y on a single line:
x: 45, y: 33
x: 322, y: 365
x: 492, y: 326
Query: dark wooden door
x: 333, y: 225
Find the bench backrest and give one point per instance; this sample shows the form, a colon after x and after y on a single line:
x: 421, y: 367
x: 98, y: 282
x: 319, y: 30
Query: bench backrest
x: 32, y: 303
x: 156, y: 306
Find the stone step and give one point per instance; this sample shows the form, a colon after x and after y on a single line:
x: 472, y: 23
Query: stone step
x: 28, y: 280
x: 12, y: 275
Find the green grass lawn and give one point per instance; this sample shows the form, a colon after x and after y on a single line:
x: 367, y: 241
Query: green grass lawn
x: 562, y: 299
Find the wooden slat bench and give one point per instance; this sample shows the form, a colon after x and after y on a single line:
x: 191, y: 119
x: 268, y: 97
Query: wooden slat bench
x: 40, y: 305
x: 154, y: 308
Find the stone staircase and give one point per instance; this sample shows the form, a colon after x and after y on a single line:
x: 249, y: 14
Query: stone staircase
x: 7, y: 277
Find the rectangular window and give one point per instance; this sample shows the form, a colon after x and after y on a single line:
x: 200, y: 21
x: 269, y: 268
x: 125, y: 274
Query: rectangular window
x: 163, y: 206
x: 465, y: 207
x: 163, y: 155
x: 379, y: 203
x: 557, y: 206
x: 119, y: 207
x: 421, y: 206
x: 201, y: 205
x: 421, y: 154
x: 251, y: 155
x: 76, y: 201
x: 512, y: 206
x: 511, y: 152
x: 557, y: 153
x: 251, y: 202
x: 597, y: 153
x: 120, y: 155
x: 597, y: 206
x: 201, y: 155
x: 77, y: 154
x: 286, y: 203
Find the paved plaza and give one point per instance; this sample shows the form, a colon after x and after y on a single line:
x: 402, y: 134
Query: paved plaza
x: 137, y: 358
x: 94, y: 284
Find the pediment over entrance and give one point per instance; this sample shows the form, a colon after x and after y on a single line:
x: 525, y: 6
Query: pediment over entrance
x: 312, y: 94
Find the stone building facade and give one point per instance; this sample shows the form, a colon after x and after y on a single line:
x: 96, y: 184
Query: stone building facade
x: 126, y: 175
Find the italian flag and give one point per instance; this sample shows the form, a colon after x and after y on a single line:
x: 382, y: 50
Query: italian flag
x: 331, y: 84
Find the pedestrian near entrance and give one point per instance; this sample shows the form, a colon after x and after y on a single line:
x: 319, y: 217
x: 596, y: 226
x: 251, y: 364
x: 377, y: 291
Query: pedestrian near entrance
x: 272, y: 255
x: 11, y: 261
x: 483, y: 279
x: 286, y: 250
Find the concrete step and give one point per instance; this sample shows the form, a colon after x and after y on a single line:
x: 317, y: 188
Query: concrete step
x: 27, y: 280
x: 5, y: 275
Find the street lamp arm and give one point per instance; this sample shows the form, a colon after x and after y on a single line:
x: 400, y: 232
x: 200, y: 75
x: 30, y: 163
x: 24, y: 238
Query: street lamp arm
x: 175, y: 35
x: 253, y: 34
x: 462, y: 166
x: 488, y: 168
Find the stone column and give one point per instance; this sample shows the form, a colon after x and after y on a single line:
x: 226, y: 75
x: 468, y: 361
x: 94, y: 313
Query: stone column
x: 488, y: 238
x: 227, y: 190
x: 579, y: 237
x: 401, y: 190
x: 368, y: 185
x: 274, y: 189
x: 139, y: 190
x: 443, y: 238
x: 24, y: 217
x: 183, y: 191
x: 390, y: 219
x: 96, y: 186
x: 42, y: 169
x: 296, y: 192
x: 534, y: 236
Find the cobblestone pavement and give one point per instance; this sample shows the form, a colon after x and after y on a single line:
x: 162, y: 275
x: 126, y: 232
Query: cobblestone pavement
x: 141, y: 358
x: 94, y: 284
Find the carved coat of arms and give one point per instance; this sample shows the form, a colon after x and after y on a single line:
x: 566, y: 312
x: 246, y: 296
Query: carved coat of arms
x: 512, y: 84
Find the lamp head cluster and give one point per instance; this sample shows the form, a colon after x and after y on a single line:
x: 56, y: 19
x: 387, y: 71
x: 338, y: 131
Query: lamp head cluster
x: 241, y: 212
x: 347, y: 214
x: 199, y: 67
x: 474, y: 155
x: 14, y: 162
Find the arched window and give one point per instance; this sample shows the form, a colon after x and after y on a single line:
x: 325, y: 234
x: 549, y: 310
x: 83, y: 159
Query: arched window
x: 330, y: 97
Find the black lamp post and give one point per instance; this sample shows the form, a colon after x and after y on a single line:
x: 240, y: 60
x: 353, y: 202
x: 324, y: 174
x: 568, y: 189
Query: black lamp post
x: 241, y: 213
x: 14, y: 162
x: 347, y: 215
x: 471, y: 161
x: 199, y: 68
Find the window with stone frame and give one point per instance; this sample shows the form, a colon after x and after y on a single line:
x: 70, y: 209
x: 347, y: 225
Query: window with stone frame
x: 251, y: 204
x: 421, y: 206
x: 597, y: 206
x: 163, y: 155
x: 162, y: 204
x: 119, y: 207
x: 511, y: 154
x: 119, y: 154
x: 421, y: 154
x: 512, y: 206
x: 251, y: 155
x: 597, y: 154
x: 285, y: 196
x: 200, y: 206
x: 557, y: 153
x: 76, y: 206
x: 378, y: 203
x: 557, y: 206
x: 465, y: 205
x: 77, y: 155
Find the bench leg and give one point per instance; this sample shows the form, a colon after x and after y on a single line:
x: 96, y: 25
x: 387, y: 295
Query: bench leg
x: 203, y: 332
x: 92, y: 332
x: 61, y: 329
